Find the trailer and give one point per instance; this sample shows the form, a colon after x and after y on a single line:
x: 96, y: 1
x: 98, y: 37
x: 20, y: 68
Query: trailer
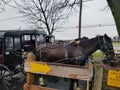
x: 31, y: 67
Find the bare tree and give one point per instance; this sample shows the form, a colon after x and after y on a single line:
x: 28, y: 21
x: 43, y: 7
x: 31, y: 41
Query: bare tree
x: 46, y: 15
x: 3, y: 3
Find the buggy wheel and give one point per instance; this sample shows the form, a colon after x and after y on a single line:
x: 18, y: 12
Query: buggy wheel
x: 5, y: 77
x: 21, y: 69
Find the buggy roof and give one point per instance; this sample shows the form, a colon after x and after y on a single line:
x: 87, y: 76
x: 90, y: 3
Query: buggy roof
x: 19, y: 32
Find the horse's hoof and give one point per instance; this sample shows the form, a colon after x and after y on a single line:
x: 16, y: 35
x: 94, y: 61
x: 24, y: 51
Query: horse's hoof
x: 78, y: 88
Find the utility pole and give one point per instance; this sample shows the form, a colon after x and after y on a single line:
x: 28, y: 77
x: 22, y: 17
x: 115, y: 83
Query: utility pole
x: 80, y: 20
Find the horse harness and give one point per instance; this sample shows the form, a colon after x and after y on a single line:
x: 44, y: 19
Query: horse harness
x: 104, y: 46
x: 78, y: 58
x: 65, y: 46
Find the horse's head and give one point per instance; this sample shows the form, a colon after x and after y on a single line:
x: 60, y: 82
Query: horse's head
x: 106, y: 46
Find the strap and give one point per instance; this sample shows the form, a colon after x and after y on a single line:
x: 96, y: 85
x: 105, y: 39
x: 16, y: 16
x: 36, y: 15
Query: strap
x: 81, y: 58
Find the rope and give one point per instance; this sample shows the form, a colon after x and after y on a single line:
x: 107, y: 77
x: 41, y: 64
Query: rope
x: 65, y: 59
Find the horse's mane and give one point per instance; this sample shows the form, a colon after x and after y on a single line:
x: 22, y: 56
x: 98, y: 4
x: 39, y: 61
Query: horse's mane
x: 83, y: 38
x: 74, y: 42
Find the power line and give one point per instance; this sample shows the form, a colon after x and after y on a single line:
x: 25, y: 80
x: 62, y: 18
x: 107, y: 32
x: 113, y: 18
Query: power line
x: 87, y: 26
x: 98, y: 25
x: 90, y: 26
x: 11, y: 18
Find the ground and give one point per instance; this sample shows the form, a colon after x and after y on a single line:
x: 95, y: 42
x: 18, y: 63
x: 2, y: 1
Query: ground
x: 17, y: 82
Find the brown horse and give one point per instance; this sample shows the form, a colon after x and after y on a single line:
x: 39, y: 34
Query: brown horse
x: 61, y: 53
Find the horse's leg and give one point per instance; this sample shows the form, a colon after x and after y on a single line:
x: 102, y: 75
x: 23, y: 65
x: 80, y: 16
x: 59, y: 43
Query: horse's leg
x: 71, y: 87
x: 41, y: 81
x: 74, y: 84
x: 77, y: 83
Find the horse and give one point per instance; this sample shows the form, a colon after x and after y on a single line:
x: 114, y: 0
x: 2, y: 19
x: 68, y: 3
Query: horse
x: 76, y: 53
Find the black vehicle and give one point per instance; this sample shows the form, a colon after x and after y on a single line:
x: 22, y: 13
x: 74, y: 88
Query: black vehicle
x: 13, y: 45
x: 49, y: 39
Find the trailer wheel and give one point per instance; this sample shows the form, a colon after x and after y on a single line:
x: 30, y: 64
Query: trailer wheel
x: 5, y: 77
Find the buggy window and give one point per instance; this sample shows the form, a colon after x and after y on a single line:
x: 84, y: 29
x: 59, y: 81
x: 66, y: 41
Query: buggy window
x: 9, y: 43
x: 17, y: 42
x: 40, y: 39
x: 26, y: 37
x: 33, y: 37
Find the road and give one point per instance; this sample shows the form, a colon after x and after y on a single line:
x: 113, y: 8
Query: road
x: 16, y: 83
x: 52, y: 82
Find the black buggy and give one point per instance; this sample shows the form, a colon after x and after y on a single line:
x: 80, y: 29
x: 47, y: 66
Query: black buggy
x: 14, y: 44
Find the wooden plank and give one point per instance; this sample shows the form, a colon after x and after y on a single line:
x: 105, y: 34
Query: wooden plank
x: 30, y: 76
x: 98, y: 77
x: 69, y: 72
x: 66, y: 71
x: 34, y: 87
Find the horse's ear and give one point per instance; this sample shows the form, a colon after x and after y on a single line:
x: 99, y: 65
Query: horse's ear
x: 105, y: 35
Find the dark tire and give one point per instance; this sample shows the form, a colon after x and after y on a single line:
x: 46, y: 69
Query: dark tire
x: 5, y: 77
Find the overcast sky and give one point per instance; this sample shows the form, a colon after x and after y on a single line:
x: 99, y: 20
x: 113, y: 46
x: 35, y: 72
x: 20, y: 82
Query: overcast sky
x: 95, y: 21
